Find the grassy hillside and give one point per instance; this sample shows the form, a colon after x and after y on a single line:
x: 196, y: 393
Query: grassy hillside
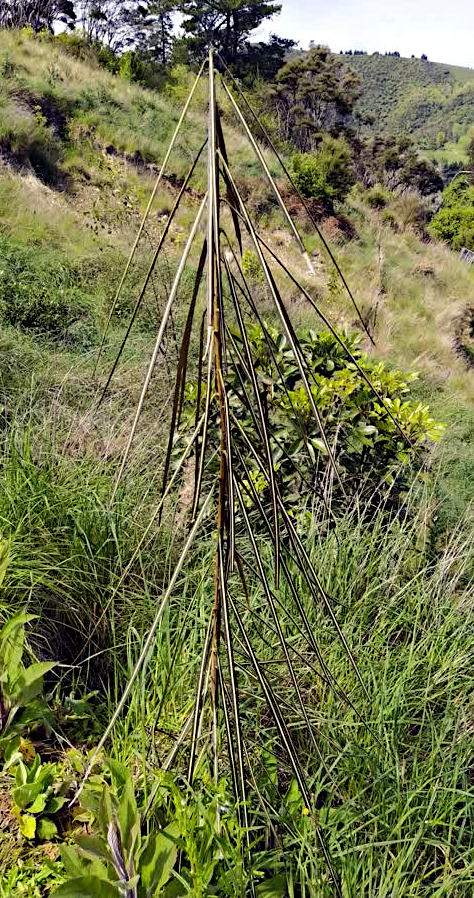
x: 79, y: 150
x: 430, y: 101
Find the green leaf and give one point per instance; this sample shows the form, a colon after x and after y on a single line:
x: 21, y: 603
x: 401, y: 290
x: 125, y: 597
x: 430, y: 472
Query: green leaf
x: 12, y: 643
x: 93, y: 846
x: 26, y: 795
x: 128, y: 819
x: 27, y: 826
x: 72, y: 861
x: 46, y: 829
x: 159, y: 858
x: 30, y: 682
x: 39, y: 803
x: 276, y: 887
x: 87, y: 887
x: 55, y: 803
x: 104, y: 811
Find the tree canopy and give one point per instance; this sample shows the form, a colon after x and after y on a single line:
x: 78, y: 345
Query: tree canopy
x: 314, y: 92
x: 223, y: 24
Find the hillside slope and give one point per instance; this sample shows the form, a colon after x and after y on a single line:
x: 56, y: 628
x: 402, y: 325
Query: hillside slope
x: 430, y: 101
x: 79, y: 150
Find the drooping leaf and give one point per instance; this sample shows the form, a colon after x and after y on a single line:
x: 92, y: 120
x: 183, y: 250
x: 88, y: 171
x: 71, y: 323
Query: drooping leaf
x: 159, y: 858
x: 87, y: 887
x: 30, y: 681
x: 46, y: 829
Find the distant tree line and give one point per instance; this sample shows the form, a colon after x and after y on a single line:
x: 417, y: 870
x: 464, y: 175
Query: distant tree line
x: 376, y: 53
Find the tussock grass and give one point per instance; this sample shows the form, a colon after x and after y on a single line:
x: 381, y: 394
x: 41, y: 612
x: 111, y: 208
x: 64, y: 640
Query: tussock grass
x: 396, y: 804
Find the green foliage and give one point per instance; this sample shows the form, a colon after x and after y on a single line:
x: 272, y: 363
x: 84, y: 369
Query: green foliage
x: 130, y: 67
x: 251, y: 267
x: 22, y: 705
x: 326, y: 175
x: 371, y: 455
x: 39, y: 793
x: 454, y: 222
x: 309, y: 179
x: 91, y: 51
x: 40, y: 291
x: 313, y: 93
x: 178, y: 847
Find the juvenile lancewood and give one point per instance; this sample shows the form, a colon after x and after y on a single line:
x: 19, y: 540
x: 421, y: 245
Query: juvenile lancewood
x: 148, y: 209
x: 233, y: 625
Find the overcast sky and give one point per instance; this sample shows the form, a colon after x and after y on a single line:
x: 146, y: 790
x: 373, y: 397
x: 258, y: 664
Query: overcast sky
x: 443, y: 29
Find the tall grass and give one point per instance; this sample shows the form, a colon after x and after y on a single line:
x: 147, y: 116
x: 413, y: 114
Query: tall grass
x: 394, y: 796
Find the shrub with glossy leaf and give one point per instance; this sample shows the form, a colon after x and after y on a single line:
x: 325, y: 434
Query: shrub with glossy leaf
x: 371, y: 453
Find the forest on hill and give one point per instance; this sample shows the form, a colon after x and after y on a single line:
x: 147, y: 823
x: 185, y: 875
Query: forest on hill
x: 430, y: 101
x: 236, y: 460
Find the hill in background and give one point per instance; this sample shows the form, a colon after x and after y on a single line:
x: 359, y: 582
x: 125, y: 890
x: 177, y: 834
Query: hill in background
x: 430, y: 101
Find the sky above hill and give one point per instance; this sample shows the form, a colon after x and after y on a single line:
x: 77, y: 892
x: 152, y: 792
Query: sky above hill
x: 443, y: 30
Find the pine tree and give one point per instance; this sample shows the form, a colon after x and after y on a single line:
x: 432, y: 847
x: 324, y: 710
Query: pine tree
x: 222, y: 24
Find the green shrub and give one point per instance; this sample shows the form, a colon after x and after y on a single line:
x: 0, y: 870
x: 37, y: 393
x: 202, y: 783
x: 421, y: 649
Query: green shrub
x: 89, y: 51
x: 371, y: 454
x: 377, y: 197
x: 22, y: 705
x: 130, y: 67
x: 455, y: 225
x: 327, y: 175
x: 454, y: 222
x: 251, y: 267
x: 309, y: 179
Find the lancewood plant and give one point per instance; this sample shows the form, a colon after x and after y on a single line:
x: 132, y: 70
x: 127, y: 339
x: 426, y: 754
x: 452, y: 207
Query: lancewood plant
x: 234, y: 682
